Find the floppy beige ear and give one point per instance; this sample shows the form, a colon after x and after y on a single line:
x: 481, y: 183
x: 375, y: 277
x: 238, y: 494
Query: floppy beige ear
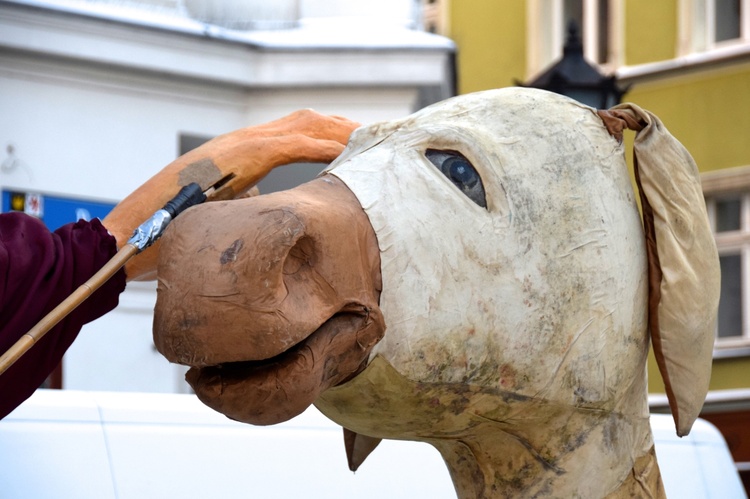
x: 684, y: 274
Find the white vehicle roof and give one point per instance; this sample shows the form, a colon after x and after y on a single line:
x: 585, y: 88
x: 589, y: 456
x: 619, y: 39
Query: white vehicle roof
x: 102, y: 445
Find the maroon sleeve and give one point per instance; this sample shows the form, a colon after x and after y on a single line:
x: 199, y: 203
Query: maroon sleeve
x: 39, y: 269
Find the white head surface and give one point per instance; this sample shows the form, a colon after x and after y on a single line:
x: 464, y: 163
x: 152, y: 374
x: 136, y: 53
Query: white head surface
x: 528, y: 311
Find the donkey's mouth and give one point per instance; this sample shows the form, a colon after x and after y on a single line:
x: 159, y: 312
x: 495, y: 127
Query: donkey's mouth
x: 270, y: 391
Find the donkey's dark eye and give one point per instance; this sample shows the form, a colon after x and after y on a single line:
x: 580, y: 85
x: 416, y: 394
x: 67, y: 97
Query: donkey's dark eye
x: 460, y: 172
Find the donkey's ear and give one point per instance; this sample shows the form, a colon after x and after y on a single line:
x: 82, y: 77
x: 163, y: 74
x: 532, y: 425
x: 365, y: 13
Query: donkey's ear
x: 683, y: 264
x: 358, y: 447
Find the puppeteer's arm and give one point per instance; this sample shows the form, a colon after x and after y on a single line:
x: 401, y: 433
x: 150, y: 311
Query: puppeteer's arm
x: 233, y: 162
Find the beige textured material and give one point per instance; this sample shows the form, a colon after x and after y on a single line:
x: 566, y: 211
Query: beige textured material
x: 556, y: 317
x: 517, y: 333
x: 684, y: 273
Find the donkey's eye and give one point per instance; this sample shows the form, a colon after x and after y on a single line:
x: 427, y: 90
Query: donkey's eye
x: 460, y: 172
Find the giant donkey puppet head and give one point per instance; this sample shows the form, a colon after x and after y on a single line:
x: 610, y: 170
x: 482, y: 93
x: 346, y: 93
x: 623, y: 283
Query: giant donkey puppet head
x: 475, y: 276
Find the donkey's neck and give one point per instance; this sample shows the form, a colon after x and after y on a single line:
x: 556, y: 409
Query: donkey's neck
x: 575, y: 453
x: 499, y: 444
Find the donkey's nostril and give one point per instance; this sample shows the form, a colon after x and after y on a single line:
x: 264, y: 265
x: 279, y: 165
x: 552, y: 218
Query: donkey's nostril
x: 301, y: 255
x: 230, y: 254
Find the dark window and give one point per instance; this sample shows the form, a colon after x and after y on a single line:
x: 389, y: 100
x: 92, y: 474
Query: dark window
x: 730, y: 304
x: 188, y: 142
x: 728, y: 214
x: 727, y: 19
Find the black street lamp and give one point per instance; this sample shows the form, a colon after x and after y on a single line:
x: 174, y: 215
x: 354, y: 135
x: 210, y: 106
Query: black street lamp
x: 574, y: 77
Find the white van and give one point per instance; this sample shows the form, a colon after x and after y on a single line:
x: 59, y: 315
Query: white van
x: 114, y: 445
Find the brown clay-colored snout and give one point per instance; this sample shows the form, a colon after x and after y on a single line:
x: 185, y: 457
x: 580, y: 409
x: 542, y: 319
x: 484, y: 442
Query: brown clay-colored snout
x: 289, y: 281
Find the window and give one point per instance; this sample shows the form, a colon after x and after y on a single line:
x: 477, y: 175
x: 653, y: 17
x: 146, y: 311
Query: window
x: 594, y: 24
x: 434, y: 16
x: 729, y: 213
x: 711, y: 24
x: 726, y: 20
x: 597, y: 21
x: 187, y: 142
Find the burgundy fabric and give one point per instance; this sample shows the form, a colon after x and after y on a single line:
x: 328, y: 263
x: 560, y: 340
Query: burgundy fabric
x: 39, y: 269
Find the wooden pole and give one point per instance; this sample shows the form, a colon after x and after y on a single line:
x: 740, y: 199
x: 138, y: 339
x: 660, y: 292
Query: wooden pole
x: 69, y: 304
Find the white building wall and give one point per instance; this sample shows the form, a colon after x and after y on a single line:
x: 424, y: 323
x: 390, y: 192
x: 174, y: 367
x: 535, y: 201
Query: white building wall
x: 94, y: 106
x: 100, y: 133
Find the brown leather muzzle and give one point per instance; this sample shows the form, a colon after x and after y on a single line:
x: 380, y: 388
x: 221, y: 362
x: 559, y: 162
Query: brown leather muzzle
x: 271, y: 299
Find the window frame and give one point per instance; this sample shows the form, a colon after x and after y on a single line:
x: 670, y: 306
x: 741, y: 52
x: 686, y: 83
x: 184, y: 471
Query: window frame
x: 697, y: 31
x: 547, y: 30
x: 726, y: 184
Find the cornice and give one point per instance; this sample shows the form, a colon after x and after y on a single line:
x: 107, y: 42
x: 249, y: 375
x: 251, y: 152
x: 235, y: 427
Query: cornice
x: 714, y: 59
x: 188, y: 49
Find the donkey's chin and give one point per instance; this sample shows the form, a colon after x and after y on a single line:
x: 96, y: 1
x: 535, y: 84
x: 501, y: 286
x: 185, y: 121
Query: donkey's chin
x: 277, y: 389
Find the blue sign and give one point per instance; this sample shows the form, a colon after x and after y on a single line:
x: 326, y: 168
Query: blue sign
x: 54, y: 211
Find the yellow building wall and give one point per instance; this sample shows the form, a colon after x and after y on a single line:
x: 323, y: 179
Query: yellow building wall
x: 708, y: 112
x: 650, y: 31
x: 726, y: 374
x: 491, y: 41
x: 491, y: 38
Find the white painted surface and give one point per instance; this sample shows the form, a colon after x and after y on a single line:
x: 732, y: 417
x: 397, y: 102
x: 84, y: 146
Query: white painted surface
x: 101, y: 445
x: 116, y: 352
x: 698, y: 466
x: 135, y: 446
